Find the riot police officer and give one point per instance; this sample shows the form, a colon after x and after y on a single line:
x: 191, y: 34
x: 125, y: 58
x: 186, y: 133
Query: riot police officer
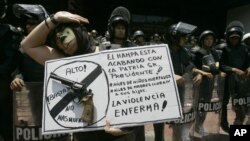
x: 139, y: 38
x: 207, y: 61
x: 29, y: 70
x: 106, y: 37
x: 235, y: 63
x: 156, y: 39
x: 95, y: 37
x: 182, y: 64
x: 9, y: 43
x: 118, y: 28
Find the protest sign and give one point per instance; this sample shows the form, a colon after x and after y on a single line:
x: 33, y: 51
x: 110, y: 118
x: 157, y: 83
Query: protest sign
x: 130, y: 86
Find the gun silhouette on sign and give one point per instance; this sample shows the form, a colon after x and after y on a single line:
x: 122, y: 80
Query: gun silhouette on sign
x: 77, y: 90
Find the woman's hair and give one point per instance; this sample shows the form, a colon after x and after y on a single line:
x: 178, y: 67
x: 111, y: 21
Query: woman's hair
x: 85, y: 42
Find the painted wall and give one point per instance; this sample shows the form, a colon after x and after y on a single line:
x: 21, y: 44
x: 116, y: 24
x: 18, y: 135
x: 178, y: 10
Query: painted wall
x: 242, y: 14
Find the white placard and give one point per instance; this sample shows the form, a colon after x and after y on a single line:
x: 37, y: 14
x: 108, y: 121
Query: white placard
x: 130, y: 86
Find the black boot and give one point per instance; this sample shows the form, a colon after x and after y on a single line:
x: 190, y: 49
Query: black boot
x: 225, y: 127
x: 224, y: 123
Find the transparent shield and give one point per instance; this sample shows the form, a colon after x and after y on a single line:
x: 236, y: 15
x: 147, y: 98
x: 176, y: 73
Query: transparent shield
x: 179, y: 130
x: 247, y: 121
x: 207, y: 121
x: 27, y: 114
x: 240, y: 99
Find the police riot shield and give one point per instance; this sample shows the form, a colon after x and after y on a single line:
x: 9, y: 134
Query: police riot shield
x: 180, y: 129
x: 248, y: 103
x: 207, y: 120
x: 240, y: 95
x: 27, y: 114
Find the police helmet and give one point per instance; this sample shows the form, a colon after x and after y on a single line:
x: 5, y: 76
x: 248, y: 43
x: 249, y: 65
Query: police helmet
x: 175, y: 31
x: 205, y: 33
x: 94, y: 31
x: 181, y: 28
x: 245, y: 37
x: 138, y: 33
x: 119, y: 15
x: 235, y: 28
x: 172, y: 30
x: 28, y: 11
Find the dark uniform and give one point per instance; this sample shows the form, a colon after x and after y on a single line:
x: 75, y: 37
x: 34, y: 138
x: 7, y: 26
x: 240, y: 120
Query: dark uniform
x: 32, y: 15
x: 207, y: 57
x: 31, y: 71
x: 182, y: 63
x: 233, y: 57
x: 9, y: 43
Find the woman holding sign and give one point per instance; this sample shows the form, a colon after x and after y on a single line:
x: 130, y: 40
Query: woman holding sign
x: 69, y: 38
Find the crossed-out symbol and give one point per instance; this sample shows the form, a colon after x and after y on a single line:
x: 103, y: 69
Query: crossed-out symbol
x: 69, y: 97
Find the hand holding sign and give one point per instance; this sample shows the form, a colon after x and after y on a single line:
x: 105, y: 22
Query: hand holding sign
x: 113, y: 131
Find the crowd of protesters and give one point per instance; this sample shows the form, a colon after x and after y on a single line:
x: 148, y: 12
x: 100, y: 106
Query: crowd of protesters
x: 25, y: 50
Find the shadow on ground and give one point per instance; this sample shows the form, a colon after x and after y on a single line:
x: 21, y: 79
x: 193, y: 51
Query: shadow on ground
x: 211, y: 137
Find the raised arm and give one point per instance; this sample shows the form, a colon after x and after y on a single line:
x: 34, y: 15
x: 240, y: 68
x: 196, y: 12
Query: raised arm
x: 34, y: 44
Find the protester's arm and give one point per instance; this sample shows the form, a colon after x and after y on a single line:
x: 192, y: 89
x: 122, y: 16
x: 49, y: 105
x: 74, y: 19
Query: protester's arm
x: 34, y: 43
